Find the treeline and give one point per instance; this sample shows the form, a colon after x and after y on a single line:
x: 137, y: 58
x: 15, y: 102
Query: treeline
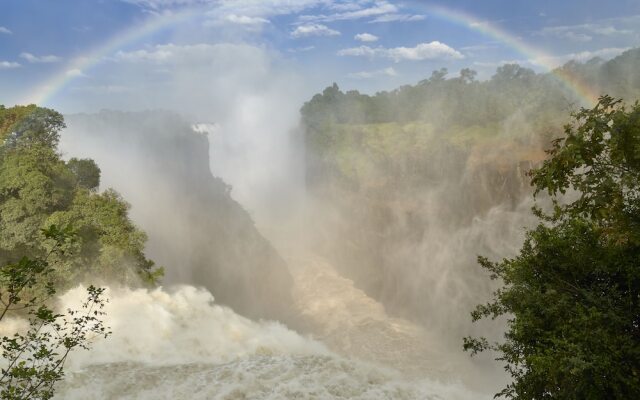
x: 39, y: 189
x: 464, y: 101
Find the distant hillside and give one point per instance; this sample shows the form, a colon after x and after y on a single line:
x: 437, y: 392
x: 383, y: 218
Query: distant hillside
x: 196, y: 230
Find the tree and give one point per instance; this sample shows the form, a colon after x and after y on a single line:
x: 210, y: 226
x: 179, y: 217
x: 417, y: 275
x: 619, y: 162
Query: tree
x: 572, y: 295
x: 86, y: 171
x: 38, y: 189
x: 32, y: 125
x: 468, y: 75
x: 33, y: 360
x: 512, y: 72
x: 439, y: 75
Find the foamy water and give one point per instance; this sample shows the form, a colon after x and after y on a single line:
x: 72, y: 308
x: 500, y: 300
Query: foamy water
x: 178, y: 344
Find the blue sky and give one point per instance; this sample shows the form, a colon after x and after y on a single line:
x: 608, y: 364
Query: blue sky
x: 211, y: 50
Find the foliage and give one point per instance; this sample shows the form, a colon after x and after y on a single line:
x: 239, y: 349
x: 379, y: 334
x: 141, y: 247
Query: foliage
x: 38, y: 188
x: 600, y: 159
x: 86, y: 171
x: 459, y: 103
x: 572, y: 295
x: 33, y: 360
x: 29, y: 125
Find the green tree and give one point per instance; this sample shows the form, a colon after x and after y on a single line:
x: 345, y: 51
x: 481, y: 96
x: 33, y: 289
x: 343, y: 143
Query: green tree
x: 86, y: 171
x: 572, y: 295
x: 29, y: 125
x: 34, y: 358
x: 37, y: 189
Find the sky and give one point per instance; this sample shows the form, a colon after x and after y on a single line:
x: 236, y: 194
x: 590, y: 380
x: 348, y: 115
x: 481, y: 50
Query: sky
x: 200, y: 55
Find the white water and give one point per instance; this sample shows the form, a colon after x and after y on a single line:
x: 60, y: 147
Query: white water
x: 178, y: 344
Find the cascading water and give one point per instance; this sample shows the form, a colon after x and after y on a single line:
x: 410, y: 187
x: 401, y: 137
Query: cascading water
x: 178, y: 344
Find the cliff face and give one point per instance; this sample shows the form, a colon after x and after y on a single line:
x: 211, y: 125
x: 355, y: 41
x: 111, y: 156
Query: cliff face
x: 408, y: 207
x: 196, y: 230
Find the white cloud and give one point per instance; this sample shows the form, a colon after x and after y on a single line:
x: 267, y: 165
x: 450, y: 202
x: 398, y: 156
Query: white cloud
x: 422, y: 51
x: 159, y: 53
x: 245, y: 20
x: 582, y: 56
x: 609, y: 30
x: 582, y: 32
x: 313, y: 30
x: 362, y: 51
x: 564, y: 32
x: 252, y: 8
x: 267, y: 7
x: 324, y: 10
x: 161, y: 4
x: 104, y: 89
x: 398, y: 18
x: 5, y: 30
x: 377, y: 9
x: 350, y: 6
x: 577, y: 37
x: 479, y: 24
x: 366, y: 37
x: 301, y: 49
x: 373, y: 74
x: 74, y: 73
x: 40, y: 59
x: 167, y: 56
x: 8, y: 64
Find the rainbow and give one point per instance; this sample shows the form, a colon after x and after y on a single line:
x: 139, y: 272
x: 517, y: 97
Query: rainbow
x: 79, y: 65
x: 574, y: 83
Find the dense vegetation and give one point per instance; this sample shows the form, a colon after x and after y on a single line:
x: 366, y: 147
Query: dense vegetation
x: 572, y: 295
x: 463, y: 101
x: 39, y: 189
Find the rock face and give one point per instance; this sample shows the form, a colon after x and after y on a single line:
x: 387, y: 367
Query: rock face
x: 196, y: 230
x: 406, y: 209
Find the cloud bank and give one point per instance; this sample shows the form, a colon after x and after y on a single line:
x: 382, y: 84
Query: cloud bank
x: 313, y: 30
x: 423, y: 51
x: 366, y: 37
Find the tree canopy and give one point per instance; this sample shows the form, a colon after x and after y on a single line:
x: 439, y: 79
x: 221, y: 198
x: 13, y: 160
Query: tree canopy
x: 572, y: 294
x: 463, y: 101
x: 38, y: 188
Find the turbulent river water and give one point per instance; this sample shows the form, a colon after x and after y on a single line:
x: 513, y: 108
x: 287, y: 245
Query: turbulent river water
x: 177, y: 343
